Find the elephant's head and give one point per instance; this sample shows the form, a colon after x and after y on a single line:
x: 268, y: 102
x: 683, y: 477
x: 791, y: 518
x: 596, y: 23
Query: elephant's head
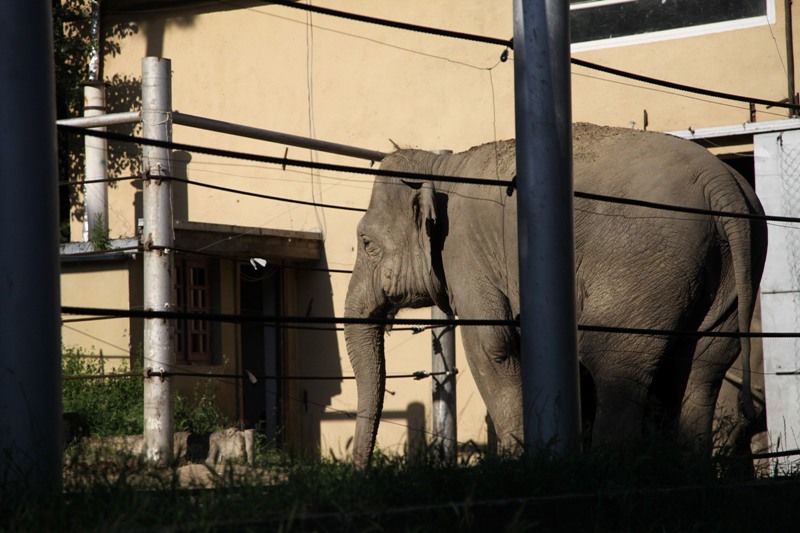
x: 398, y: 264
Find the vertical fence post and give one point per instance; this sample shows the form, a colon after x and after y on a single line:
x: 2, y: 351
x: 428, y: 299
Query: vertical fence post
x: 551, y: 406
x: 30, y: 362
x: 159, y: 354
x: 787, y: 12
x: 444, y: 388
x: 96, y: 149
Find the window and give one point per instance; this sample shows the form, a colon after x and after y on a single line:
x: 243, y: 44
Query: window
x: 626, y: 21
x: 193, y: 295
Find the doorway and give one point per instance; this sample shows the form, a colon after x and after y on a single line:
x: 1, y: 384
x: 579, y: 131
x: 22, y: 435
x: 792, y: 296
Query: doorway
x: 259, y: 294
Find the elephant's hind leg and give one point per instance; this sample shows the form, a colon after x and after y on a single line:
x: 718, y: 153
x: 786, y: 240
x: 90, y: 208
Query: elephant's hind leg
x: 622, y: 368
x: 712, y: 358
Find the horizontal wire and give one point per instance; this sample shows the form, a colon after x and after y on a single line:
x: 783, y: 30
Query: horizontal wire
x: 112, y: 251
x: 278, y: 160
x: 589, y: 328
x: 681, y: 86
x: 113, y: 375
x: 203, y: 253
x: 510, y: 184
x: 247, y: 258
x: 509, y: 43
x: 258, y: 195
x: 98, y: 180
x: 87, y: 319
x: 413, y: 329
x: 240, y: 318
x: 149, y: 373
x: 394, y: 24
x: 682, y: 209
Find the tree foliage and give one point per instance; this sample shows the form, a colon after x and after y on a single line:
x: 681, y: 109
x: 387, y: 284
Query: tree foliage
x: 73, y: 47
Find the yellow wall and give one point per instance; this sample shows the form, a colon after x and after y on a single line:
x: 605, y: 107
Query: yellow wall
x: 370, y: 86
x: 105, y: 286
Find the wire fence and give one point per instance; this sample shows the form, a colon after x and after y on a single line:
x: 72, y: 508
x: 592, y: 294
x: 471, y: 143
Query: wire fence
x: 510, y: 185
x: 247, y: 376
x: 292, y: 321
x: 299, y: 322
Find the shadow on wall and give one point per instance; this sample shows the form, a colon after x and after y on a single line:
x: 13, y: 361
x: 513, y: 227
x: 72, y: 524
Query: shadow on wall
x: 180, y: 194
x: 123, y: 94
x: 311, y: 351
x: 413, y: 419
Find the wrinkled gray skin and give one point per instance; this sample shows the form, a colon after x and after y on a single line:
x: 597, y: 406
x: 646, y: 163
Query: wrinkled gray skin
x: 455, y: 246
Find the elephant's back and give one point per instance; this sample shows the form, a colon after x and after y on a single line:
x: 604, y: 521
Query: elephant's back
x: 643, y: 165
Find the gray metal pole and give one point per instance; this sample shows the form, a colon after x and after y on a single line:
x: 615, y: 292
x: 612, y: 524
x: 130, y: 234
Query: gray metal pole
x: 96, y: 150
x: 551, y: 406
x: 444, y: 388
x: 30, y: 359
x: 787, y: 5
x: 194, y: 121
x: 128, y: 117
x: 158, y: 265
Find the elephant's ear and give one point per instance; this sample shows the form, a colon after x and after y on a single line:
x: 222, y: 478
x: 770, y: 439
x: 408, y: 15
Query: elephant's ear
x: 429, y: 226
x: 425, y: 215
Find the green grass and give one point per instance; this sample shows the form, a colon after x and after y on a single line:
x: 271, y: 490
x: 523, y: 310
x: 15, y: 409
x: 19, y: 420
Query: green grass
x: 647, y: 488
x: 651, y: 489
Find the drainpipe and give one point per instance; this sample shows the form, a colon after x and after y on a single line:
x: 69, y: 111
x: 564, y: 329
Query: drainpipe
x: 95, y: 195
x: 95, y: 219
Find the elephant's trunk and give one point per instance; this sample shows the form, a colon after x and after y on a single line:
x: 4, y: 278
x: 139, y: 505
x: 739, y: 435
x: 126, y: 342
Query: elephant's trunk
x: 365, y: 348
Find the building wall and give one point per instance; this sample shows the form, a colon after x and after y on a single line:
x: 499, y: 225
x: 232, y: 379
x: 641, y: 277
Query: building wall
x: 114, y: 338
x: 282, y: 69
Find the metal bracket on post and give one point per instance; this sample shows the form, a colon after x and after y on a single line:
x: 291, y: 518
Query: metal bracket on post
x: 158, y: 227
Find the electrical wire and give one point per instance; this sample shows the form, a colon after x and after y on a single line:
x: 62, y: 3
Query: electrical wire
x: 393, y: 23
x: 242, y: 318
x: 262, y: 196
x: 509, y: 184
x: 277, y: 160
x: 103, y: 180
x: 680, y: 86
x: 253, y: 378
x: 380, y: 321
x: 510, y: 44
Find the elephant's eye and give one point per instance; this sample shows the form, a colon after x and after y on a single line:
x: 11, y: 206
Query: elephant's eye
x: 369, y: 246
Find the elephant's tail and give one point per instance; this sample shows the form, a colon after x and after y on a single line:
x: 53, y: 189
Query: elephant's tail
x: 747, y: 241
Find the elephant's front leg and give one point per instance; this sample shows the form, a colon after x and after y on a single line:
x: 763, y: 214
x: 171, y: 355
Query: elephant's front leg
x: 493, y: 356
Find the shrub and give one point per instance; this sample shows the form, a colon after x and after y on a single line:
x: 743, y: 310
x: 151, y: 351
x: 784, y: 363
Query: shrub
x: 199, y: 413
x: 114, y: 406
x: 108, y: 406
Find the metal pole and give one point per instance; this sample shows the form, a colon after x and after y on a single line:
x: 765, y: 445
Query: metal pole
x: 444, y: 387
x: 787, y: 4
x: 128, y: 117
x: 95, y: 163
x: 193, y: 121
x: 158, y: 265
x: 30, y: 359
x: 551, y: 406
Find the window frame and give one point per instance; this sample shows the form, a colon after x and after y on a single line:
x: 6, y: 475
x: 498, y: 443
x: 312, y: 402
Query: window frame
x: 187, y: 291
x: 676, y: 33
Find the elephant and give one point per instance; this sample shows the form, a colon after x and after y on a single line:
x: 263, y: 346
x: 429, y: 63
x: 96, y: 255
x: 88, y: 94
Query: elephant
x: 425, y: 242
